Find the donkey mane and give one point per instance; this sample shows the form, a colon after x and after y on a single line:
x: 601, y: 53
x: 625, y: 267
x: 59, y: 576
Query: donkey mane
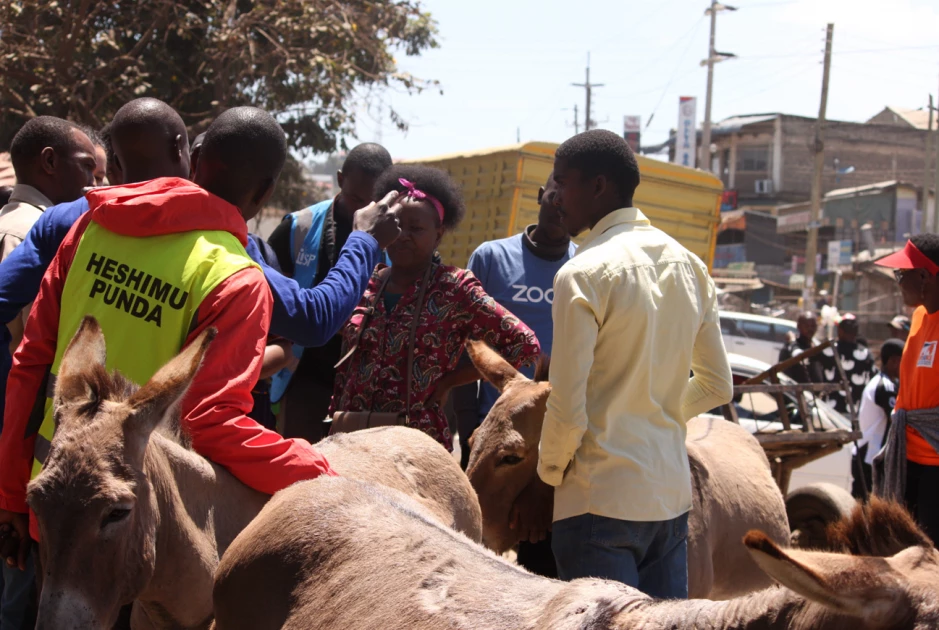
x: 116, y: 387
x: 878, y: 528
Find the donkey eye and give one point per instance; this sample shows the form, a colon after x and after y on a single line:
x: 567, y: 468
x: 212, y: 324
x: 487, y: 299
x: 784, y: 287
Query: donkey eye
x: 115, y: 516
x: 510, y: 460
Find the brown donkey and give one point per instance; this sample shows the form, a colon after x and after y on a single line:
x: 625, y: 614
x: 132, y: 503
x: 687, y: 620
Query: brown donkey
x: 128, y: 513
x: 732, y: 494
x: 367, y: 557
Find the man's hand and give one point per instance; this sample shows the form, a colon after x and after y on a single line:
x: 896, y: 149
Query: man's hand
x: 14, y: 538
x: 379, y: 219
x: 533, y: 510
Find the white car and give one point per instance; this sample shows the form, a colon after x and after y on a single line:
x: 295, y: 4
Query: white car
x: 755, y: 336
x: 759, y: 413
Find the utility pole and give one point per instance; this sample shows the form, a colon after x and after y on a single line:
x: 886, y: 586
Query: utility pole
x: 713, y: 57
x: 928, y: 218
x: 576, y: 121
x: 588, y: 87
x: 936, y: 198
x: 811, y: 247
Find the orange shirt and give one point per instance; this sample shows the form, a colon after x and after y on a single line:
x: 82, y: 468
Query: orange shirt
x: 919, y: 380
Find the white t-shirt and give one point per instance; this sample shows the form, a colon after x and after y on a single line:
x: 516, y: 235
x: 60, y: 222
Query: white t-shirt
x: 880, y: 395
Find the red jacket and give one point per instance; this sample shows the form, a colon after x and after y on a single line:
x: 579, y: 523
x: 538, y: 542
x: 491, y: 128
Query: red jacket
x: 215, y: 408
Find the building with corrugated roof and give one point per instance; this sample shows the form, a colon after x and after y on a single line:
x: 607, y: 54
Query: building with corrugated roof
x: 902, y: 117
x: 768, y: 159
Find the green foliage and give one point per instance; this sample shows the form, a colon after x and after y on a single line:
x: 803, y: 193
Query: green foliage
x: 307, y: 61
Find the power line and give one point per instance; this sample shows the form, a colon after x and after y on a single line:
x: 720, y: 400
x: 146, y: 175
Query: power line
x: 858, y: 51
x: 635, y: 24
x: 675, y: 72
x: 760, y: 5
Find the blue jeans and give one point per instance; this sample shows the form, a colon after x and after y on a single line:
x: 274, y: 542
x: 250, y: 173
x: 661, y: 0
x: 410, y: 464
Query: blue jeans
x: 651, y: 556
x: 18, y: 588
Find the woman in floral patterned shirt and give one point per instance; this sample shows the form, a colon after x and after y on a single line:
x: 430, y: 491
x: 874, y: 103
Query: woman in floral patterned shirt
x: 455, y: 307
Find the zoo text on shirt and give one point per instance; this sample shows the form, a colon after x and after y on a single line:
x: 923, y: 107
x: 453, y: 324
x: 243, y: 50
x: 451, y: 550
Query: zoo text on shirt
x: 532, y: 294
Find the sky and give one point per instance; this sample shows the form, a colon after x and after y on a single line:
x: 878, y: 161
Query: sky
x: 505, y: 67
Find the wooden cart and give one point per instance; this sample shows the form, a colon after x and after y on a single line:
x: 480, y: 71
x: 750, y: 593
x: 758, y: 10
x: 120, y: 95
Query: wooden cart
x: 801, y: 440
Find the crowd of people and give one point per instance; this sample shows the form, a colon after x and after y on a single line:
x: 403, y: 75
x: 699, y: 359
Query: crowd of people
x: 896, y: 406
x: 346, y: 317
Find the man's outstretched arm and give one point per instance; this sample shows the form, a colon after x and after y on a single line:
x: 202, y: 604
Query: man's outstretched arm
x: 311, y: 317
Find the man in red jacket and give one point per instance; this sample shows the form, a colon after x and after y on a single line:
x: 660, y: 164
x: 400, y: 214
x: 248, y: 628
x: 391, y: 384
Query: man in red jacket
x: 139, y: 261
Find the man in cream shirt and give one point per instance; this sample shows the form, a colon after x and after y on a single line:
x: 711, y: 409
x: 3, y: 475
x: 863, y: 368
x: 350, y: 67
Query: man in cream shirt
x: 634, y: 314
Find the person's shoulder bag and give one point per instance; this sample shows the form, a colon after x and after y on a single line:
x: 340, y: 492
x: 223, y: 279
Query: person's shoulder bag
x: 348, y: 421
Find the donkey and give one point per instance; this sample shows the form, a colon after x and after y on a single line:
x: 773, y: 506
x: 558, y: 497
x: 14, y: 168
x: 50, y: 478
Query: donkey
x: 127, y: 512
x: 733, y: 488
x: 369, y: 557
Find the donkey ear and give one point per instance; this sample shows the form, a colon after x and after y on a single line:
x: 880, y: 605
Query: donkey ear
x: 83, y: 359
x: 86, y: 348
x: 490, y: 365
x: 542, y: 368
x: 166, y: 389
x: 862, y: 587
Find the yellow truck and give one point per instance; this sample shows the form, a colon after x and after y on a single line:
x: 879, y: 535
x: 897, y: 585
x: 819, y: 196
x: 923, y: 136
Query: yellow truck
x: 500, y: 187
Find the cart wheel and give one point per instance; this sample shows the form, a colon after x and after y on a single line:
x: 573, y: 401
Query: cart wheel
x: 811, y: 508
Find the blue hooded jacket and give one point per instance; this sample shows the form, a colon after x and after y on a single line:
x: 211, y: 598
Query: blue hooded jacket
x: 308, y: 317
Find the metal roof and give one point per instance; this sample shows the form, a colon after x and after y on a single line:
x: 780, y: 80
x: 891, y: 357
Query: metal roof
x: 869, y: 188
x: 916, y: 118
x: 736, y: 123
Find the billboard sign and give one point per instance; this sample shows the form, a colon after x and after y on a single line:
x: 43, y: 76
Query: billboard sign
x: 631, y: 129
x: 839, y: 254
x: 686, y: 142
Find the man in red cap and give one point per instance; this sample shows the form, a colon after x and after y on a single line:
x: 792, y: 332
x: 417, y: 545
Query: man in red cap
x: 908, y: 467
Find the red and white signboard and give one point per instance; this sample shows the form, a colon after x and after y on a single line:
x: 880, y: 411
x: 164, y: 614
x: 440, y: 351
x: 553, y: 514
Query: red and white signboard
x: 631, y: 130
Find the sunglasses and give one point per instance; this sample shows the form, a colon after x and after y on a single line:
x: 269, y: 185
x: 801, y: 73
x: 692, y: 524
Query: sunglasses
x: 900, y: 274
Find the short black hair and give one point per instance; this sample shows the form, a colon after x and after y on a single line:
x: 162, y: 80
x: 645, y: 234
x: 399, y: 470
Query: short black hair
x: 37, y: 134
x: 145, y: 115
x: 142, y: 133
x: 369, y: 158
x: 928, y: 244
x: 891, y: 348
x: 433, y: 181
x: 250, y: 146
x: 5, y: 193
x: 602, y: 152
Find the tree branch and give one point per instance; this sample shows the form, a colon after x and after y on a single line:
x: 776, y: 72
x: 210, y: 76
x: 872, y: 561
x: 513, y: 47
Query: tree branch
x: 19, y: 100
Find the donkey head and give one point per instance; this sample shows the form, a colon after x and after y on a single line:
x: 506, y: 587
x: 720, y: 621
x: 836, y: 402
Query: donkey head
x: 885, y: 577
x: 504, y: 449
x: 93, y: 500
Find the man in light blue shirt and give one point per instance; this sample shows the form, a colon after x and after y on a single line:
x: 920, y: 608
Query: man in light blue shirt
x: 518, y: 272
